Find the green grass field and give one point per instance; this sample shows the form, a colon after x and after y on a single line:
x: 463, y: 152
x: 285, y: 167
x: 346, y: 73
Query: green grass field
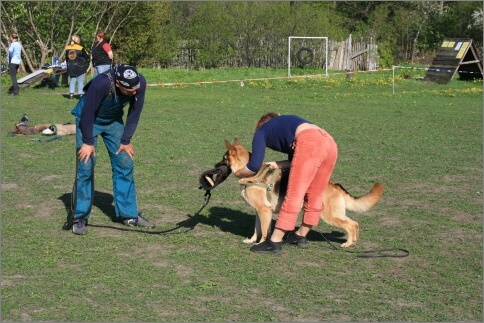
x: 424, y: 143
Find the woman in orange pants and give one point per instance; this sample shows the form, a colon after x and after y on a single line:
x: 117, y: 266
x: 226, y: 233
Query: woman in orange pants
x: 312, y: 155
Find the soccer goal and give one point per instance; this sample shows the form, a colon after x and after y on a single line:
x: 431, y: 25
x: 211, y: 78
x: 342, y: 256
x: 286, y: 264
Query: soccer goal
x: 311, y: 51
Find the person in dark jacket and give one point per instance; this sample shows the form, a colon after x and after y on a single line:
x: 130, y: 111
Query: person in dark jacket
x: 77, y: 61
x: 100, y: 113
x: 102, y: 54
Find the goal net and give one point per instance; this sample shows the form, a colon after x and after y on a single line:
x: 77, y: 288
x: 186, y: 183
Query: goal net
x: 307, y: 52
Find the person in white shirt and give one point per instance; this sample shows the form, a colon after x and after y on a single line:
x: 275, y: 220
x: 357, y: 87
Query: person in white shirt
x: 14, y: 60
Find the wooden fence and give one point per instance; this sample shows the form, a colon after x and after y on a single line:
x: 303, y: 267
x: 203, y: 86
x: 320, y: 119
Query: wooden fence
x: 361, y: 55
x: 351, y: 55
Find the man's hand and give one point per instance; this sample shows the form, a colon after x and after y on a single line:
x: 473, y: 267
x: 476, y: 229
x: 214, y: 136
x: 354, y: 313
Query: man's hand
x: 127, y: 148
x: 85, y: 152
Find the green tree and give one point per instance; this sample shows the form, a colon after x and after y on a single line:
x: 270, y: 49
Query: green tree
x: 46, y: 27
x: 211, y: 34
x: 145, y: 38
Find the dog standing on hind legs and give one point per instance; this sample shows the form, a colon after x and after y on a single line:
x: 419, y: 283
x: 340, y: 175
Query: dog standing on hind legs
x: 265, y: 192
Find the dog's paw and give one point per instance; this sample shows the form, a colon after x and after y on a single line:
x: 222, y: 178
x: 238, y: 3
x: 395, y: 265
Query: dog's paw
x: 348, y: 244
x: 249, y: 241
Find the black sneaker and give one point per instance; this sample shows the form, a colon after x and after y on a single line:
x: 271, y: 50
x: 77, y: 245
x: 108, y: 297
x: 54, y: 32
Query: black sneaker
x: 140, y: 221
x: 295, y: 239
x: 80, y: 227
x: 267, y: 246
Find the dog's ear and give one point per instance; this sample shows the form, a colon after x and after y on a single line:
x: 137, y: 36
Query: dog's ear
x: 229, y: 145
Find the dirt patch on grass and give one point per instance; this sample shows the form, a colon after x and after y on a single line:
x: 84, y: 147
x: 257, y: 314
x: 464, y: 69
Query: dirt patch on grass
x: 9, y: 186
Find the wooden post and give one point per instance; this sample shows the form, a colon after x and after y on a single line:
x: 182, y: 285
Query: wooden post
x: 349, y: 54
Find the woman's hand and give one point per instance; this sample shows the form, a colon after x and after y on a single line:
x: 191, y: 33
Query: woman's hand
x: 282, y: 164
x: 272, y: 165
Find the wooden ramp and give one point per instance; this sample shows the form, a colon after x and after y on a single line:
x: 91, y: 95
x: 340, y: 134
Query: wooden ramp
x: 455, y: 55
x: 38, y: 75
x: 32, y: 78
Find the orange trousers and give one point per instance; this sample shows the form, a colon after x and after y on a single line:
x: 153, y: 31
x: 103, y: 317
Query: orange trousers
x: 315, y: 155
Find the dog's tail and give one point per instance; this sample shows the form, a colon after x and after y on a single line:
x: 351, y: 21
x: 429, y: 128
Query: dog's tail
x: 363, y: 203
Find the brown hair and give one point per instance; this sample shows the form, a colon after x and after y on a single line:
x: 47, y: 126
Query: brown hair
x: 101, y: 34
x: 266, y: 117
x: 14, y: 36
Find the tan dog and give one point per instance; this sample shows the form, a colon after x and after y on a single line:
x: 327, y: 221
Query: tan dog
x: 266, y: 190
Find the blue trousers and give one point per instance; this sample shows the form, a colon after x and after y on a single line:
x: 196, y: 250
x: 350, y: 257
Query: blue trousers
x: 124, y: 190
x: 101, y: 69
x: 80, y: 84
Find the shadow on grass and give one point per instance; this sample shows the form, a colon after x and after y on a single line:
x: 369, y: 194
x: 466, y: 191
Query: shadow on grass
x: 242, y: 224
x: 225, y: 219
x: 104, y: 201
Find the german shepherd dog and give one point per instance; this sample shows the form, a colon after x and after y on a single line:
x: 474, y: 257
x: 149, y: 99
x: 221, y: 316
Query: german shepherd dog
x: 265, y: 192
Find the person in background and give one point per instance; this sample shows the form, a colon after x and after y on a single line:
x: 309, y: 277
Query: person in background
x: 312, y: 155
x: 100, y: 113
x: 14, y: 60
x: 102, y: 54
x: 77, y: 61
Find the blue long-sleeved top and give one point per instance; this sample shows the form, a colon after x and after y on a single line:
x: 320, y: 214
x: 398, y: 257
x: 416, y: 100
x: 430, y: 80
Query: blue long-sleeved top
x: 15, y: 53
x: 277, y: 134
x: 100, y: 106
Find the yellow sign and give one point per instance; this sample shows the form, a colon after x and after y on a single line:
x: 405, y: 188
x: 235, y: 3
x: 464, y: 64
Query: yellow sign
x: 462, y: 50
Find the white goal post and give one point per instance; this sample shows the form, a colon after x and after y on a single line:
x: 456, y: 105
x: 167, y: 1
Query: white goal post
x: 289, y: 53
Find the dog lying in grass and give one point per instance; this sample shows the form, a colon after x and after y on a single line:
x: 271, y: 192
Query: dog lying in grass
x: 265, y: 192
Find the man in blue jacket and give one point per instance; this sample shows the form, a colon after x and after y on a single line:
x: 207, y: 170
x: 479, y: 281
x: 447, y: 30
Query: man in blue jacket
x: 100, y: 113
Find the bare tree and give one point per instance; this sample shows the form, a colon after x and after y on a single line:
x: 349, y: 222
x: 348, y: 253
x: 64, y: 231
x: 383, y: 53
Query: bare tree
x: 46, y: 27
